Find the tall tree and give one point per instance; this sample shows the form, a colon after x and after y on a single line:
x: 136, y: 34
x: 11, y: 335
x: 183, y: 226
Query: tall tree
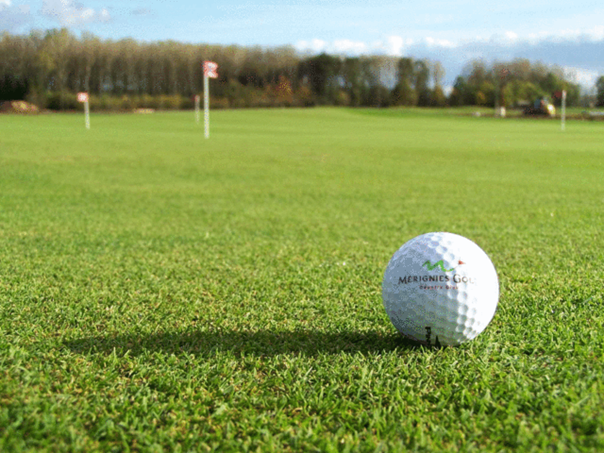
x: 600, y: 91
x: 322, y: 73
x: 15, y: 57
x: 404, y: 92
x: 422, y: 81
x: 352, y: 80
x: 438, y: 95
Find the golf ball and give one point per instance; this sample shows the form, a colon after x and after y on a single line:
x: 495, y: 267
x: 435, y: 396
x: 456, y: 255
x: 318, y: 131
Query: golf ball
x: 440, y: 289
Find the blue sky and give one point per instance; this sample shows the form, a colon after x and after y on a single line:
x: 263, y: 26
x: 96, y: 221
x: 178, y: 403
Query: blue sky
x: 569, y: 34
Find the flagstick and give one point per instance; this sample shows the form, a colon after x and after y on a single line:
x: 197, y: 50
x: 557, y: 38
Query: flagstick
x: 563, y: 109
x: 209, y: 70
x: 206, y: 104
x: 87, y: 113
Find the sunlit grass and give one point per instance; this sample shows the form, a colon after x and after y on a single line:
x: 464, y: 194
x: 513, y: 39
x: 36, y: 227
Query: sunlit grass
x: 163, y: 292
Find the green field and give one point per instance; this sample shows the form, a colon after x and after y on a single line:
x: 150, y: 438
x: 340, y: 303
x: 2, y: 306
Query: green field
x: 162, y: 292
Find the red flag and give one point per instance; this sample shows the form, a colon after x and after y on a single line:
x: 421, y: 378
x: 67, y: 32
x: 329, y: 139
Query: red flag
x: 210, y: 69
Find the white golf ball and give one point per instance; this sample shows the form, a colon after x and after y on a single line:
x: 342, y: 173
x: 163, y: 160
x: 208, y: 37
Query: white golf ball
x: 440, y: 289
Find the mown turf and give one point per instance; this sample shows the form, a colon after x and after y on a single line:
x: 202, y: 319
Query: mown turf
x: 162, y: 292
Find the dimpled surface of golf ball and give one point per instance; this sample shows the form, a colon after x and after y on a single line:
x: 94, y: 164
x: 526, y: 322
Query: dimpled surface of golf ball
x: 440, y: 289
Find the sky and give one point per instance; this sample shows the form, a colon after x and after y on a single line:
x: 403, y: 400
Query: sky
x: 562, y: 33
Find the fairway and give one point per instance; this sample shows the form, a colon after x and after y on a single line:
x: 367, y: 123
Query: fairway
x: 164, y: 292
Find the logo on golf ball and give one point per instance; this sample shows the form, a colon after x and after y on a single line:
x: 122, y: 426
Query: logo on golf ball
x: 440, y: 288
x: 455, y: 278
x: 439, y: 265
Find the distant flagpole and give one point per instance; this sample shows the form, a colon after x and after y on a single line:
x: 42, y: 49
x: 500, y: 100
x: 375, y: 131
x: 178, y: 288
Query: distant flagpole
x: 87, y: 113
x: 206, y: 105
x: 83, y: 98
x: 563, y: 110
x: 210, y: 70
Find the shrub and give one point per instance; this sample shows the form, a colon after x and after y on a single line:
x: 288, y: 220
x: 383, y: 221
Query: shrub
x: 61, y: 100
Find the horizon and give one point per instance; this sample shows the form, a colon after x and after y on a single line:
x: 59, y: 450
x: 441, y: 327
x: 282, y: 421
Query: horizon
x: 553, y: 33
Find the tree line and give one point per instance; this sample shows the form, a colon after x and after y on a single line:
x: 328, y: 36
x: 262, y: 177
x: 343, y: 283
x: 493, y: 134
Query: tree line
x: 48, y: 68
x: 512, y: 84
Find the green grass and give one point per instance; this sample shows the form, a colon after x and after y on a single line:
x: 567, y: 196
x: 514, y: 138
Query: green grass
x: 162, y: 292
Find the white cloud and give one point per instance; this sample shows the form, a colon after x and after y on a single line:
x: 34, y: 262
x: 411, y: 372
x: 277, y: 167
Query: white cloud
x: 510, y: 38
x: 571, y: 50
x: 346, y: 46
x: 597, y: 33
x: 445, y: 43
x: 70, y: 13
x: 594, y: 34
x: 584, y: 77
x: 338, y: 47
x: 511, y: 35
x: 13, y: 17
x: 395, y: 45
x: 314, y: 46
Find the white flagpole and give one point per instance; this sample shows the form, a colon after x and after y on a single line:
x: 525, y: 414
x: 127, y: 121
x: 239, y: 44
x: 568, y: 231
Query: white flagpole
x: 563, y: 109
x: 206, y: 104
x: 83, y: 98
x: 87, y: 113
